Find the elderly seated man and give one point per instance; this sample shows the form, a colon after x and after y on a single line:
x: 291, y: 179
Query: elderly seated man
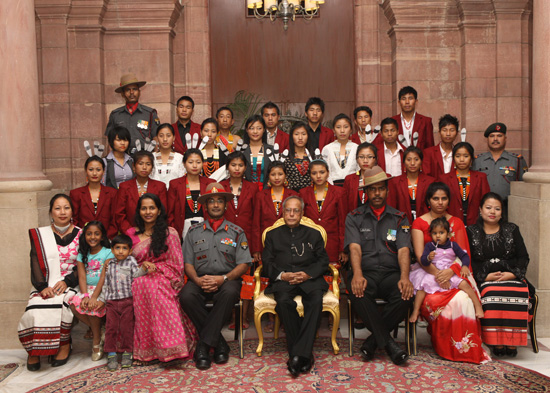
x: 294, y: 259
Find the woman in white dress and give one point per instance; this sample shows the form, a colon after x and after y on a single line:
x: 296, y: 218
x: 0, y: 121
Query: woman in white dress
x: 168, y: 164
x: 340, y: 154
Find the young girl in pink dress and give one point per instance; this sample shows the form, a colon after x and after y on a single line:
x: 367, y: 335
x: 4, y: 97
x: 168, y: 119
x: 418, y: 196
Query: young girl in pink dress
x: 441, y: 253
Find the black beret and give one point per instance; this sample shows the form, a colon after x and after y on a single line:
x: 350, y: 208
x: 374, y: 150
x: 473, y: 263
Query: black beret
x: 495, y: 127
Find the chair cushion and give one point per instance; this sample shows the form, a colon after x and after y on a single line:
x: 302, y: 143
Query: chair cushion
x: 264, y: 301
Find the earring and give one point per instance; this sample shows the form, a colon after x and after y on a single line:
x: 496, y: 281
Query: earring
x: 286, y: 183
x: 51, y: 220
x: 268, y: 183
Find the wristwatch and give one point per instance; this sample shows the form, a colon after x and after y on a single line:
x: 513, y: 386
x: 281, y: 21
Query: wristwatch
x: 225, y: 279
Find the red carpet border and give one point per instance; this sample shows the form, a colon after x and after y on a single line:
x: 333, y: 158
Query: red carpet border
x: 7, y: 369
x: 426, y: 372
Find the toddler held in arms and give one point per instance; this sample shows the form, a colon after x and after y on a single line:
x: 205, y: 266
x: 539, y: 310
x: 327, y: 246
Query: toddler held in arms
x: 439, y: 255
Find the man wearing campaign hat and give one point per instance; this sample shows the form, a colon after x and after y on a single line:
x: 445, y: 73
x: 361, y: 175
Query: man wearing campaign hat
x: 142, y: 121
x: 216, y: 255
x: 500, y: 166
x: 378, y: 241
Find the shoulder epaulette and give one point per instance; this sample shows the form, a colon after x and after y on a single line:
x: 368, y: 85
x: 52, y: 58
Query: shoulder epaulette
x: 195, y: 226
x: 236, y: 228
x: 119, y: 109
x: 147, y: 108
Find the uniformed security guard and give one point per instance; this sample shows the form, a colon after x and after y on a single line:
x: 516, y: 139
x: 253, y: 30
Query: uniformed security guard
x: 216, y: 255
x: 142, y: 121
x: 378, y: 241
x: 500, y: 166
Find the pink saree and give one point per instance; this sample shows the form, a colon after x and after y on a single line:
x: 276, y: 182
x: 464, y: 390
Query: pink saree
x: 162, y: 331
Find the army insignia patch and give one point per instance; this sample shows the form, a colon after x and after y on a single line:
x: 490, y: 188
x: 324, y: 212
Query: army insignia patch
x: 244, y: 245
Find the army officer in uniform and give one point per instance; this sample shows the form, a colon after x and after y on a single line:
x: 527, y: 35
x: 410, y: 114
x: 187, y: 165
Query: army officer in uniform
x: 142, y: 121
x: 295, y: 259
x: 500, y: 166
x: 216, y: 255
x: 378, y: 241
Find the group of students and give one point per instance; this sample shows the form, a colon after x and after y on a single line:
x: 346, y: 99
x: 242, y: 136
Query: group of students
x: 324, y: 167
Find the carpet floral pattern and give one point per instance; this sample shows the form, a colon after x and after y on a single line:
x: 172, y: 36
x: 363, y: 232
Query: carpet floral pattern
x: 423, y: 373
x: 6, y: 370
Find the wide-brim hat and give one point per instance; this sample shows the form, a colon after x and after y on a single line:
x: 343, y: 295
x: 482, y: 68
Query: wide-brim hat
x: 129, y: 79
x: 214, y: 189
x: 495, y: 127
x: 374, y: 175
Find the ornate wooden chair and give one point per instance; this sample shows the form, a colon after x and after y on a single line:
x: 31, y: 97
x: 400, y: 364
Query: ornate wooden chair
x: 266, y: 303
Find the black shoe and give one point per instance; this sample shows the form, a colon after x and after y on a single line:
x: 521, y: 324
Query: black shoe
x: 499, y: 352
x: 294, y: 365
x: 368, y: 349
x: 62, y: 362
x: 221, y: 352
x: 307, y: 364
x: 359, y: 325
x: 202, y: 356
x: 33, y: 366
x: 511, y: 352
x: 397, y: 355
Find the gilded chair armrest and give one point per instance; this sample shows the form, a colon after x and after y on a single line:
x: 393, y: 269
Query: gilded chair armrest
x: 335, y: 287
x: 257, y: 282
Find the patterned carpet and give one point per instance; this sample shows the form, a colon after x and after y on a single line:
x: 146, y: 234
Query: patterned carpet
x: 6, y: 370
x: 423, y: 373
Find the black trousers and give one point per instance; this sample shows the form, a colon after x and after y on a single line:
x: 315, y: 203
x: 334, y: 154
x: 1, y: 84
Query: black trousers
x: 300, y: 332
x: 209, y: 324
x: 380, y: 285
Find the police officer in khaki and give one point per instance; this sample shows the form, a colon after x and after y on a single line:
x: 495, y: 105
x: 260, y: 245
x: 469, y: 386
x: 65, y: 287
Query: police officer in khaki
x: 142, y: 121
x: 500, y: 166
x: 216, y: 255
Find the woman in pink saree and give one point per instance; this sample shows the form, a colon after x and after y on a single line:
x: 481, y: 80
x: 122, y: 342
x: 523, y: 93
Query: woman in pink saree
x: 453, y: 326
x: 162, y: 331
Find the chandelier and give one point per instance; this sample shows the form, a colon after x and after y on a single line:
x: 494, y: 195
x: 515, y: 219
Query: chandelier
x: 284, y: 9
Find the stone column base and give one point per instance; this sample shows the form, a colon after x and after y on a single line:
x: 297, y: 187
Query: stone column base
x: 529, y: 208
x: 23, y: 205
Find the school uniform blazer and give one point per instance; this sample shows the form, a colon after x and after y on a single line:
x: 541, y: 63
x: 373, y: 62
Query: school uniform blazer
x: 248, y: 169
x: 83, y: 211
x: 265, y: 215
x: 282, y: 140
x: 127, y: 201
x: 332, y: 217
x: 351, y: 192
x: 432, y: 164
x: 398, y: 195
x: 179, y: 145
x: 177, y: 201
x: 243, y: 215
x: 423, y: 125
x: 382, y: 157
x: 479, y: 186
x: 327, y: 136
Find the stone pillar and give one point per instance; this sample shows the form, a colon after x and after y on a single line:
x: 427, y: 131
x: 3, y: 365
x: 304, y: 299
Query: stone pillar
x: 529, y: 204
x: 24, y: 190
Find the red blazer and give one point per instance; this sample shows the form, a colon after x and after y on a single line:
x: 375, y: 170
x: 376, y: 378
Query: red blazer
x: 382, y: 157
x: 282, y: 139
x: 179, y: 145
x: 332, y: 217
x: 351, y: 192
x: 177, y: 201
x: 83, y: 211
x: 265, y: 215
x: 398, y: 196
x: 479, y: 186
x: 127, y: 200
x: 432, y: 164
x: 423, y: 125
x: 243, y: 216
x: 326, y: 137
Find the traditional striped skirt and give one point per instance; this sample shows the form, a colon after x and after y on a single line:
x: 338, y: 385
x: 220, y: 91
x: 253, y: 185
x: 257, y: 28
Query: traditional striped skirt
x: 506, y: 307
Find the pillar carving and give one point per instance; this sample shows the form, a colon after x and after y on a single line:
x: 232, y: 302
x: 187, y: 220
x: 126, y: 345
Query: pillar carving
x: 425, y: 53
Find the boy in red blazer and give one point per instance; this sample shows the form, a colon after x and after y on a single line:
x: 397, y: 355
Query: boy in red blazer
x: 184, y: 125
x: 438, y: 160
x: 390, y: 151
x: 318, y: 135
x: 271, y: 114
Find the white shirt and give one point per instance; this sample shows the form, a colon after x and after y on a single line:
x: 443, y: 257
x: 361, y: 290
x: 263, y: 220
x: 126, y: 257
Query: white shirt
x: 407, y: 131
x: 171, y: 170
x: 447, y: 160
x: 271, y: 139
x: 393, y: 160
x: 331, y: 154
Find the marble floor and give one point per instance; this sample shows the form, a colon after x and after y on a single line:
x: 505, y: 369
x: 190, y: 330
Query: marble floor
x: 22, y: 380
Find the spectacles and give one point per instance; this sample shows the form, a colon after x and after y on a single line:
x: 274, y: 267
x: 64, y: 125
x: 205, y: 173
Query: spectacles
x: 213, y: 201
x: 295, y: 211
x: 363, y: 158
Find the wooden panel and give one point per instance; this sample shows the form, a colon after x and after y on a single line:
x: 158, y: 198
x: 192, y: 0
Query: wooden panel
x: 312, y: 58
